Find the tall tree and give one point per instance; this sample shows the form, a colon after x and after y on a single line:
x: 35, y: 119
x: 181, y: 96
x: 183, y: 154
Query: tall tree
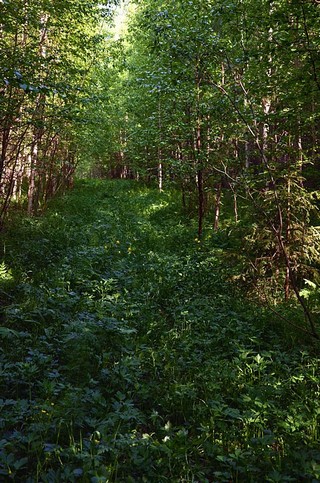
x: 47, y: 50
x: 223, y: 97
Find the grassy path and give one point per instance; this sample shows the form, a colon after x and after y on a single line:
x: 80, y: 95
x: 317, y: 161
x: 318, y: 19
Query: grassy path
x: 126, y: 357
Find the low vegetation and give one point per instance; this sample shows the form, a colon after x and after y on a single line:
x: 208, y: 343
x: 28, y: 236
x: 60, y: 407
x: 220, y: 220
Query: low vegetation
x: 129, y: 354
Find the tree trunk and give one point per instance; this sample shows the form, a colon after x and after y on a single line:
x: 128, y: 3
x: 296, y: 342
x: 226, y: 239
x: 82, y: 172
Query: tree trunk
x: 32, y: 177
x: 217, y: 207
x: 200, y: 201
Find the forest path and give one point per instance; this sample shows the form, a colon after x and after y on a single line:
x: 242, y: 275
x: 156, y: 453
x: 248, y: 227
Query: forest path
x: 134, y: 360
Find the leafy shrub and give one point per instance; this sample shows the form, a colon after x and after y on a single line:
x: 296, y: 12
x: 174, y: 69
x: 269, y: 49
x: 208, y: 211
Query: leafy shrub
x: 134, y: 357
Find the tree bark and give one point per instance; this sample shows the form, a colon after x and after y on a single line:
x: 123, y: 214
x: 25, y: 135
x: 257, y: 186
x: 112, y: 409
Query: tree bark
x: 217, y: 207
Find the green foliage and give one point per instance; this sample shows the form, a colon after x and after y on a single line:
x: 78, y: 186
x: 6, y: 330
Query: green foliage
x: 135, y: 359
x: 220, y: 99
x: 46, y: 83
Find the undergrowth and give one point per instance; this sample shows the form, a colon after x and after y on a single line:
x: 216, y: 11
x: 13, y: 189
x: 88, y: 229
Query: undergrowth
x: 128, y: 355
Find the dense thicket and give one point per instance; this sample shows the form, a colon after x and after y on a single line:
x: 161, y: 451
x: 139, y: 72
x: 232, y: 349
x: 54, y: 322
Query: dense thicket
x: 222, y: 99
x: 47, y: 54
x: 219, y: 98
x: 140, y: 351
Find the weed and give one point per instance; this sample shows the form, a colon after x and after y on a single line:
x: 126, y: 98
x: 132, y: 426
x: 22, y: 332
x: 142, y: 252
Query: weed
x: 136, y: 359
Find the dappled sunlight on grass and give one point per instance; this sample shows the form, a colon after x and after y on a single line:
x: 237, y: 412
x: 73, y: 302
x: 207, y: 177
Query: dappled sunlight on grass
x: 136, y: 360
x: 155, y: 207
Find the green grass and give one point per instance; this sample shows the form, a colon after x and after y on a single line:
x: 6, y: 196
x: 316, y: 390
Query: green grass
x: 127, y: 356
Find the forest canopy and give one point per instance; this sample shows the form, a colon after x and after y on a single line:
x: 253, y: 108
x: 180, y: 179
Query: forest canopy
x: 218, y: 99
x: 160, y: 241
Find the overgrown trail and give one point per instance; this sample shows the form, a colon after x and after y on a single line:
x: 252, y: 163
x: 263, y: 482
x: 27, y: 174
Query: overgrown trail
x: 134, y: 360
